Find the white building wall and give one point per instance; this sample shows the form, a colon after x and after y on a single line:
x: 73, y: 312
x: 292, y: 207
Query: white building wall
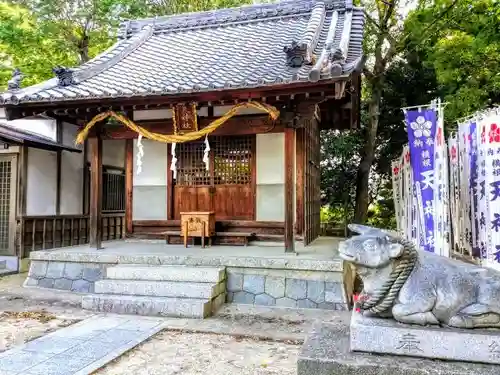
x: 150, y: 186
x: 44, y: 127
x: 113, y: 153
x: 72, y: 165
x: 41, y: 182
x: 270, y: 175
x: 42, y: 167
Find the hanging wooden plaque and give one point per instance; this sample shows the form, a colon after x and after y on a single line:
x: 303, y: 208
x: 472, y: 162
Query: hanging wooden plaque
x: 185, y: 118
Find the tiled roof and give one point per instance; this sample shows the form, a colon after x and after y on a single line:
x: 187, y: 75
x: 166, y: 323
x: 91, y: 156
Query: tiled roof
x: 11, y: 135
x: 245, y: 47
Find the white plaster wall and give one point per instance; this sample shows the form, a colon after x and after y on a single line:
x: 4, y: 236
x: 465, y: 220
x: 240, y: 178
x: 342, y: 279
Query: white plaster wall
x: 41, y: 182
x: 156, y: 114
x: 44, y: 127
x: 9, y: 150
x: 71, y: 174
x: 270, y: 175
x: 113, y: 153
x: 150, y: 186
x: 220, y: 110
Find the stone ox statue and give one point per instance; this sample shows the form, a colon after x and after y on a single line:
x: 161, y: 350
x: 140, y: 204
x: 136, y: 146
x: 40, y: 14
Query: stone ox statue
x: 418, y: 287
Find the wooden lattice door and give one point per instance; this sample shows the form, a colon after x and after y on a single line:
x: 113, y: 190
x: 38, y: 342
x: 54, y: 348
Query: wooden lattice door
x: 193, y: 189
x: 234, y: 184
x: 227, y: 187
x: 312, y: 196
x: 8, y: 181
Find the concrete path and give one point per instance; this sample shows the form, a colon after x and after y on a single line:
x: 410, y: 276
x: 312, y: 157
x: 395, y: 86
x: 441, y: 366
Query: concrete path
x: 81, y: 348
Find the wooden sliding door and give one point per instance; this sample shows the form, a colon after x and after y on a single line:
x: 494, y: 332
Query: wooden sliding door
x: 227, y: 187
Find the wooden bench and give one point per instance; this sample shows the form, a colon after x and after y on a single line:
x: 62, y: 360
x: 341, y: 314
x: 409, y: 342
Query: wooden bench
x: 244, y: 237
x: 171, y: 233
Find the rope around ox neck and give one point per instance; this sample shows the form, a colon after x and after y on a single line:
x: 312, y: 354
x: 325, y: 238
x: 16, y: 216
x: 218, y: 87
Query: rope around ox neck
x: 383, y: 298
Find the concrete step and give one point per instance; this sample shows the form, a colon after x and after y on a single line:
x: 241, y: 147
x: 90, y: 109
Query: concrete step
x: 152, y: 306
x: 159, y: 288
x: 3, y: 264
x: 167, y: 273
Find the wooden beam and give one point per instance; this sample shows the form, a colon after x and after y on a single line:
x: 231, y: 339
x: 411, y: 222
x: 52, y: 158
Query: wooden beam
x: 129, y: 181
x: 95, y: 214
x: 300, y: 180
x: 59, y: 140
x: 289, y: 186
x: 229, y: 96
x: 238, y: 125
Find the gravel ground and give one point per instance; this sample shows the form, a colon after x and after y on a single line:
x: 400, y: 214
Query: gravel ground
x: 17, y: 328
x: 170, y: 353
x: 239, y: 340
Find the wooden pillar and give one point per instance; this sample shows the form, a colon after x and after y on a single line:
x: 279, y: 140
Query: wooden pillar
x: 170, y: 185
x: 129, y: 180
x: 300, y: 180
x: 95, y: 214
x: 22, y: 173
x: 85, y: 206
x: 289, y: 187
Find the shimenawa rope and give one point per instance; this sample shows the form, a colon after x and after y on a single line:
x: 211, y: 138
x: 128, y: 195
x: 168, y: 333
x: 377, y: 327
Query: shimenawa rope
x: 176, y: 138
x: 384, y: 297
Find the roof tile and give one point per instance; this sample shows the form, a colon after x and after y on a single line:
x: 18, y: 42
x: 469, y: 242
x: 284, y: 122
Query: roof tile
x: 207, y: 51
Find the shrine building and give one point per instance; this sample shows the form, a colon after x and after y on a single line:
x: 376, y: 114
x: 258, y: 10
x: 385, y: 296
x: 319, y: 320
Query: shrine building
x: 218, y: 114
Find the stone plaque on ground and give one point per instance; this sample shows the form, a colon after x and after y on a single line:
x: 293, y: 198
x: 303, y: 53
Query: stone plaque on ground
x: 326, y: 352
x: 386, y: 336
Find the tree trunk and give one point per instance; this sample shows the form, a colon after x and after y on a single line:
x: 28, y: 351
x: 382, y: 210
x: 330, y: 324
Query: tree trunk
x: 83, y: 49
x: 368, y: 156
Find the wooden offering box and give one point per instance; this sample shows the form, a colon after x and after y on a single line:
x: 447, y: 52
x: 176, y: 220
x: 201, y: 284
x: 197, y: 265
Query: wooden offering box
x: 198, y: 224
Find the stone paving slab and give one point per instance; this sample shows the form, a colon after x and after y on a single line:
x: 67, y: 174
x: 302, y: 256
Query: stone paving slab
x: 79, y: 349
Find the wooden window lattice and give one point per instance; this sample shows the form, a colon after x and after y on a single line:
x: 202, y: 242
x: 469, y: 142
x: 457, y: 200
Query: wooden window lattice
x: 233, y: 160
x: 312, y: 225
x: 5, y: 199
x: 113, y: 190
x: 191, y: 170
x: 230, y: 162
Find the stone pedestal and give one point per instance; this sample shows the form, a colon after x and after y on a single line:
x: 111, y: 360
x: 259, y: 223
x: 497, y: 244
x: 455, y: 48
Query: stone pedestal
x: 326, y: 351
x: 386, y: 336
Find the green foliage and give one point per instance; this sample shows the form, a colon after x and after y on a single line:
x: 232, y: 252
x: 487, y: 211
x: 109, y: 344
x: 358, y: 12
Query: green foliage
x: 381, y: 213
x: 463, y: 50
x: 23, y: 45
x: 36, y: 35
x: 340, y: 159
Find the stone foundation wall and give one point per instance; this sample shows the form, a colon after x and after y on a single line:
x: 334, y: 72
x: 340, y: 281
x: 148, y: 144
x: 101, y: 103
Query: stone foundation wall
x: 75, y: 277
x: 286, y: 288
x: 259, y: 286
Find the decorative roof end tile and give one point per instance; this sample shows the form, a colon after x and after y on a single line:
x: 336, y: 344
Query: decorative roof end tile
x: 64, y: 75
x: 296, y: 55
x: 15, y: 82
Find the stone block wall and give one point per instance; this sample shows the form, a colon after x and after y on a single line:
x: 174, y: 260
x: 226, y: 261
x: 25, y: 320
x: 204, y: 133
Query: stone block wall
x: 259, y: 286
x: 286, y: 288
x: 75, y: 277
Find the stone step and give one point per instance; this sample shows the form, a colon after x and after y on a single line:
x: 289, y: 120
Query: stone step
x: 152, y: 306
x: 167, y: 273
x: 174, y: 289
